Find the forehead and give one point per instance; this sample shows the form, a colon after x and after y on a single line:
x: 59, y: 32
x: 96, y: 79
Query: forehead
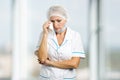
x: 56, y: 18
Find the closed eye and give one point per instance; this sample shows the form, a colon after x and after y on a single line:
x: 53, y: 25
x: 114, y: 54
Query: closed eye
x: 59, y: 20
x: 52, y: 21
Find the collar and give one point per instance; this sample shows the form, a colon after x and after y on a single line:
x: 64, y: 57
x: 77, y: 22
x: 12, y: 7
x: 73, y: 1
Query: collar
x: 52, y: 36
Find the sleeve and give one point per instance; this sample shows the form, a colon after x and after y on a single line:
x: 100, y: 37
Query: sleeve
x: 77, y: 46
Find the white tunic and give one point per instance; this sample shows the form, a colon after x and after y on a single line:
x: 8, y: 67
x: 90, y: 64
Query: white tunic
x: 71, y: 47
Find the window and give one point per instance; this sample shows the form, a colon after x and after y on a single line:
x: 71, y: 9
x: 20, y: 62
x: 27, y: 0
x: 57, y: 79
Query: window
x: 6, y: 39
x: 21, y: 23
x: 110, y: 25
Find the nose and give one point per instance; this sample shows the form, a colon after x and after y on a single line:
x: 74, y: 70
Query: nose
x: 55, y: 24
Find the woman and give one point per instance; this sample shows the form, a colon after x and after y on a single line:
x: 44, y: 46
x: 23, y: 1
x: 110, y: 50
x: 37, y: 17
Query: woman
x: 59, y: 51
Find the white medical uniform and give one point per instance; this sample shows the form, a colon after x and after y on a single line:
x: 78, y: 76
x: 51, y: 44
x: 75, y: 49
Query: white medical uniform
x: 71, y: 47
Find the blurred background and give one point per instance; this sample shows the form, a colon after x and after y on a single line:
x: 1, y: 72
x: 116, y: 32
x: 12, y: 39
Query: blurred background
x: 98, y: 22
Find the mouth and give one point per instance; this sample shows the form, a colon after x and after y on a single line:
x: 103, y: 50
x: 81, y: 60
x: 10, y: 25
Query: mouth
x: 60, y: 30
x: 57, y: 29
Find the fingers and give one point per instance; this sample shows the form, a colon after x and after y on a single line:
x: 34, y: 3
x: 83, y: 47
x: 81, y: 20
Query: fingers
x: 39, y: 61
x: 44, y: 63
x: 46, y: 26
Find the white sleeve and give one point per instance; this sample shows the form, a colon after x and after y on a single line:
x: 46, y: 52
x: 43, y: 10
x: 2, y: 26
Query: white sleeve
x: 77, y: 46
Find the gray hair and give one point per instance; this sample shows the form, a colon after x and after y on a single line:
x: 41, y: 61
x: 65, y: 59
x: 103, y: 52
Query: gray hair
x: 57, y: 11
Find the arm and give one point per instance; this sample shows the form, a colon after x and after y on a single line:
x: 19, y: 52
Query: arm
x: 66, y: 64
x: 42, y: 51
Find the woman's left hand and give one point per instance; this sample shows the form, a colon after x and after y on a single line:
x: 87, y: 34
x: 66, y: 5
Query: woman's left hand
x: 47, y: 62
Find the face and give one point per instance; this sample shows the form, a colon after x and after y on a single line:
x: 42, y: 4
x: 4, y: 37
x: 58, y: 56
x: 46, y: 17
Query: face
x: 58, y: 22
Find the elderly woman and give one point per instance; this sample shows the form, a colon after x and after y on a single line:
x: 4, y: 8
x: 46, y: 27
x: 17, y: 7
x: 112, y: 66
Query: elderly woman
x: 59, y: 51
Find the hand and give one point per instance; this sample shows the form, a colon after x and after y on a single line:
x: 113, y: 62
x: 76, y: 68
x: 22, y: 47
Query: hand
x: 46, y: 27
x: 40, y: 62
x: 47, y: 62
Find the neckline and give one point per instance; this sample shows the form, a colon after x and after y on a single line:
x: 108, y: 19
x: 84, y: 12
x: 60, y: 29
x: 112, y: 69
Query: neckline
x: 64, y: 41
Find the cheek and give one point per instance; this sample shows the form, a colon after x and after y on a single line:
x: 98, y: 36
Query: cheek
x: 62, y: 23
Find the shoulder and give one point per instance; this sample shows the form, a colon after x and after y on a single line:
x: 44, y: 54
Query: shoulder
x: 74, y: 33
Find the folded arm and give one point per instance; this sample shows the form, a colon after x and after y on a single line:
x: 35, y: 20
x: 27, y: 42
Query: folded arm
x: 65, y: 64
x: 42, y: 51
